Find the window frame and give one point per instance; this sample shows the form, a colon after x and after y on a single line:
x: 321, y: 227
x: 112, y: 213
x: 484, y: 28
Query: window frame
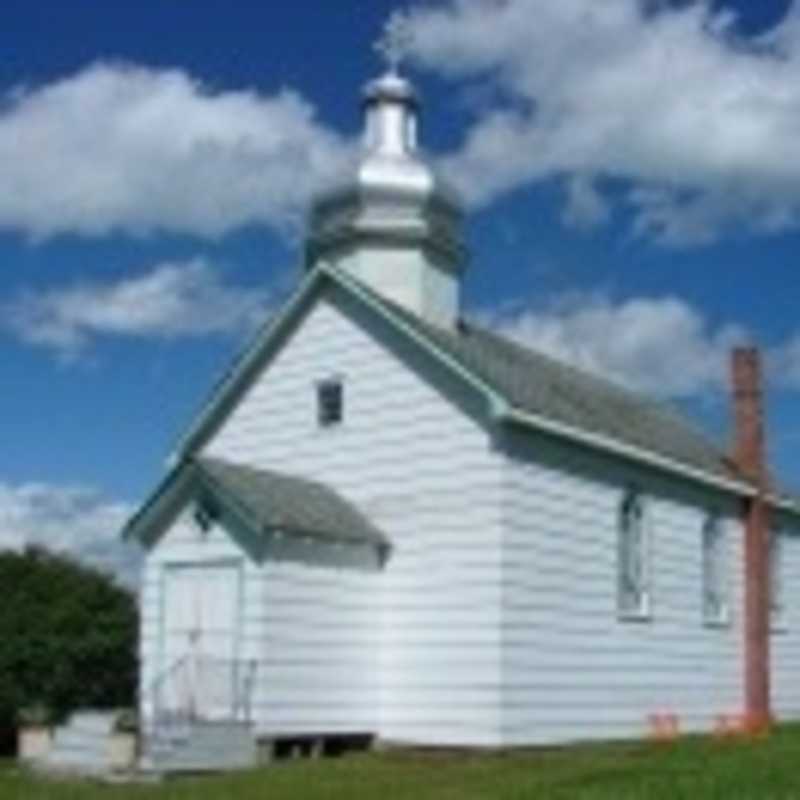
x: 205, y: 515
x: 634, y: 505
x: 777, y: 578
x: 324, y: 420
x: 714, y: 568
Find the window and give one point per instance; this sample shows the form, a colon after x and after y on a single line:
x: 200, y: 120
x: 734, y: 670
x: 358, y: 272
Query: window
x: 330, y: 403
x: 715, y: 598
x: 776, y: 598
x: 205, y: 515
x: 633, y: 566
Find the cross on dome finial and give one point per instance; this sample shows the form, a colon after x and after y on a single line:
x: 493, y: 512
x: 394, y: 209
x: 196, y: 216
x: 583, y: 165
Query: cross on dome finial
x: 395, y: 42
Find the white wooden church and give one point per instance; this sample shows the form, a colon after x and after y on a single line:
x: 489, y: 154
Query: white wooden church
x: 393, y: 523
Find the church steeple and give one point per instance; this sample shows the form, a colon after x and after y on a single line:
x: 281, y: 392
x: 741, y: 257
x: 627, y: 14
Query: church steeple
x: 392, y: 222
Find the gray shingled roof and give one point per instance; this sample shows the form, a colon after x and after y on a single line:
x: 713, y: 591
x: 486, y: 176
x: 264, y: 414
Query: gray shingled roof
x: 272, y: 500
x: 537, y: 384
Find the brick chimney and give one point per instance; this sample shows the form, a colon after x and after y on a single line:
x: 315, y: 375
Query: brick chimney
x: 748, y: 450
x: 749, y: 456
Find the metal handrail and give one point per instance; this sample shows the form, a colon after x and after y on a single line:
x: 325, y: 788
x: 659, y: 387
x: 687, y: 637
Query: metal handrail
x: 240, y: 684
x: 157, y: 685
x: 243, y: 688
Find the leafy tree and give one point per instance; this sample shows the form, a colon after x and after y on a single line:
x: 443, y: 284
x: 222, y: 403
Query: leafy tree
x: 68, y: 636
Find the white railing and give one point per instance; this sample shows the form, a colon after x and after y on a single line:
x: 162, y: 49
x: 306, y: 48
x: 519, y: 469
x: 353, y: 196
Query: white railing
x: 197, y: 686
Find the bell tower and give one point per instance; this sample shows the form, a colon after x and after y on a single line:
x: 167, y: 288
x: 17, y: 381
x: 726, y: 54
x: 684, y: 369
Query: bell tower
x: 392, y: 222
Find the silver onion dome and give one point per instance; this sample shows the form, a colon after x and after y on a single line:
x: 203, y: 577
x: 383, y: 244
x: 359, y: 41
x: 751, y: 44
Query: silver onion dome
x: 393, y: 196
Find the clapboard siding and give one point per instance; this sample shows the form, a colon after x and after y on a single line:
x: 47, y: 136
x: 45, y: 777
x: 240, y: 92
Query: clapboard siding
x: 317, y: 670
x: 572, y: 670
x: 786, y: 637
x: 410, y: 653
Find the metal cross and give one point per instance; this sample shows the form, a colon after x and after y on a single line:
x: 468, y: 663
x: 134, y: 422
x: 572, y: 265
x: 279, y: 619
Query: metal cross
x: 396, y: 41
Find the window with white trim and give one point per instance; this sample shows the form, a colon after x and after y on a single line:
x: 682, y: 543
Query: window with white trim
x: 330, y: 402
x: 715, y: 594
x: 634, y: 556
x: 776, y: 583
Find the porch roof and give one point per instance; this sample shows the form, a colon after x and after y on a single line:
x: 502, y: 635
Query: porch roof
x: 277, y: 501
x: 265, y: 500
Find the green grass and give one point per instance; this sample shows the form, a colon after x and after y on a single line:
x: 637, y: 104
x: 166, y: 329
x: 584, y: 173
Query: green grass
x: 695, y: 768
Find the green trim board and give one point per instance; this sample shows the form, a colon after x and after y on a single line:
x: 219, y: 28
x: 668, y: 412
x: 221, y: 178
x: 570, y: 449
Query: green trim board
x: 235, y: 381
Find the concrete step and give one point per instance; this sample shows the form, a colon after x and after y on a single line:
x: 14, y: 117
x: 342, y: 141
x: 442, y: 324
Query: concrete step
x: 95, y: 748
x: 205, y: 762
x: 77, y: 760
x: 81, y: 745
x: 205, y: 747
x: 69, y: 737
x: 100, y: 722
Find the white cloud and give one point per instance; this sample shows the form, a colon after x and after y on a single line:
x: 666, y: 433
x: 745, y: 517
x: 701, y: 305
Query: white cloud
x: 169, y: 301
x: 585, y: 207
x: 662, y: 346
x: 79, y: 522
x: 140, y: 150
x: 702, y: 122
x: 786, y: 363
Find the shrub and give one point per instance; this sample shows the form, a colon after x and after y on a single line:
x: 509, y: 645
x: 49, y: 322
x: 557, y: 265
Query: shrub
x: 126, y: 721
x: 69, y: 637
x: 38, y: 715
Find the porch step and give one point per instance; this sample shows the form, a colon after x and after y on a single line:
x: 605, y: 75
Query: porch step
x: 201, y: 747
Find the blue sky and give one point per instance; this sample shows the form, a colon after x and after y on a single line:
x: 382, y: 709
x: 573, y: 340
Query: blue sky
x: 631, y: 172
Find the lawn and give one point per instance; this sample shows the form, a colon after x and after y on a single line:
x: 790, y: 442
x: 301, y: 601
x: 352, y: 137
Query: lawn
x: 696, y: 768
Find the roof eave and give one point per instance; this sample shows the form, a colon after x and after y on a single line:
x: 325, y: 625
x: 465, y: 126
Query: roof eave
x: 629, y: 452
x: 784, y: 504
x: 198, y: 433
x: 168, y: 493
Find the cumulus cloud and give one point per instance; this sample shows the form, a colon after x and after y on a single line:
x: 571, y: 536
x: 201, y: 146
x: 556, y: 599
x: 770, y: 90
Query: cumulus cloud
x: 76, y: 521
x: 125, y: 148
x: 786, y: 362
x: 662, y: 346
x: 669, y: 99
x: 585, y: 207
x: 168, y: 301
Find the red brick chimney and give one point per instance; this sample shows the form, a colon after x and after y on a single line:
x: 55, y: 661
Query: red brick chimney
x: 749, y: 455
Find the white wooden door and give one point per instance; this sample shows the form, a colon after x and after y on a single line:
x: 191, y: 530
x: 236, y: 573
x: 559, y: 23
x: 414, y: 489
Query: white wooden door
x: 200, y: 635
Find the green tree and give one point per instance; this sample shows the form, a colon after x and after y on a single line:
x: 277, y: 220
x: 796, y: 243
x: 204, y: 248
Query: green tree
x: 68, y: 636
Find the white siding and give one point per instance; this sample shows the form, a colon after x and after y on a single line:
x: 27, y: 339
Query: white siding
x: 572, y: 670
x: 786, y: 636
x: 317, y: 663
x: 423, y: 470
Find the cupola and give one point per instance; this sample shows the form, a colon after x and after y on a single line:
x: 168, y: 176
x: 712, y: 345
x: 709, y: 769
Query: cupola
x: 392, y: 222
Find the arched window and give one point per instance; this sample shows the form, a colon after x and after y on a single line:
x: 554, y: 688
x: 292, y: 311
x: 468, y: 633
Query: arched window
x: 633, y: 563
x: 715, y: 597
